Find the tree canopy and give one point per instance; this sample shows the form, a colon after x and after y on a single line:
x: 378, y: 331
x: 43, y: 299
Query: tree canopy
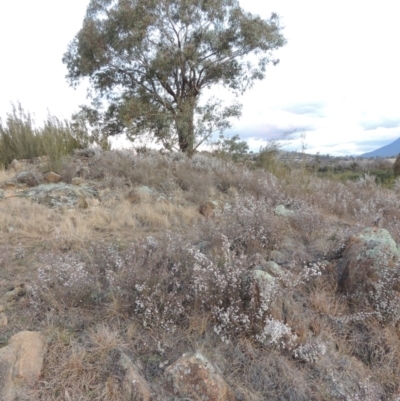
x: 148, y: 62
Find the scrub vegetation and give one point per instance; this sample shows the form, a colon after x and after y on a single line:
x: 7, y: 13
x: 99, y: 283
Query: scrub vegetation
x: 158, y: 274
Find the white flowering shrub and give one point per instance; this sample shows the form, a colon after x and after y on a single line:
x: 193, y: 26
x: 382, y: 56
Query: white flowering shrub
x: 384, y: 295
x: 164, y: 282
x: 310, y: 352
x: 249, y: 224
x: 277, y: 334
x: 197, y: 282
x: 368, y: 181
x: 376, y: 292
x: 64, y: 280
x: 207, y: 163
x: 177, y: 156
x: 396, y: 185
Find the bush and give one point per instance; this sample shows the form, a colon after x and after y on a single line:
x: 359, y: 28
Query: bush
x: 396, y: 166
x: 20, y: 139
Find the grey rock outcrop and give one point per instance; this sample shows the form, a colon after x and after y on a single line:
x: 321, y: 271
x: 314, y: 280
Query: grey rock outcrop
x: 38, y: 163
x: 30, y: 178
x: 141, y: 194
x: 193, y: 377
x: 363, y: 256
x: 281, y: 210
x: 62, y: 195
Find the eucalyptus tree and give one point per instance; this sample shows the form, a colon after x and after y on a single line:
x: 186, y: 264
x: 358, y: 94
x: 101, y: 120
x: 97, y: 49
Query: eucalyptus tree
x: 149, y: 61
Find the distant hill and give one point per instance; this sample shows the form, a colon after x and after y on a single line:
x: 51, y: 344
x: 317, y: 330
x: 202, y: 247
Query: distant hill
x: 393, y: 149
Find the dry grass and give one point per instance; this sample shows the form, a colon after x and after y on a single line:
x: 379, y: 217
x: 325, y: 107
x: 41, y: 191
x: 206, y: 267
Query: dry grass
x: 149, y: 274
x: 5, y: 175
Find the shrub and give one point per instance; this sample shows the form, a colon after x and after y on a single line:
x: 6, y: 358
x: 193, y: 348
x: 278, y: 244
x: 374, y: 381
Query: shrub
x: 396, y: 166
x: 20, y: 139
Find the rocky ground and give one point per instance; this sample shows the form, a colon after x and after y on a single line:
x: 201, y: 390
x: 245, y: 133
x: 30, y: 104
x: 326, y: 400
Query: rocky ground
x: 142, y: 276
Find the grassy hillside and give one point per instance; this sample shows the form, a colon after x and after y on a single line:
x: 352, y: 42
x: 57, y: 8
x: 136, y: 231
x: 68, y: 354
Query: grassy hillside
x: 162, y: 264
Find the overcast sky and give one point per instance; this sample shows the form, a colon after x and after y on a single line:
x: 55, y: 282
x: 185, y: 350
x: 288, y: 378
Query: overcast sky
x: 338, y: 79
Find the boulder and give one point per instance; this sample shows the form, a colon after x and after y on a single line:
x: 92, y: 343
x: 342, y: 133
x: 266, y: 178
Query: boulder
x: 362, y: 258
x: 135, y: 386
x: 140, y: 194
x: 257, y: 261
x: 10, y: 185
x: 207, y: 209
x: 21, y: 363
x: 194, y: 378
x: 278, y: 257
x: 39, y: 162
x: 77, y: 181
x: 262, y: 278
x: 62, y: 195
x: 16, y: 165
x: 29, y: 178
x: 281, y: 210
x: 273, y: 269
x: 52, y: 177
x: 17, y: 292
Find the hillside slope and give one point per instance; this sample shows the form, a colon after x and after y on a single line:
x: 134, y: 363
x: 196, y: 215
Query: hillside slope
x: 391, y: 150
x: 157, y: 277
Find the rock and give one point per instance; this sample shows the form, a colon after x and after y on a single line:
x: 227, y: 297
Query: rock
x: 16, y: 165
x: 10, y: 185
x: 259, y: 280
x: 203, y: 246
x: 30, y: 178
x: 262, y: 278
x: 363, y: 256
x: 38, y: 163
x: 273, y: 269
x: 135, y: 386
x: 207, y: 209
x: 281, y: 210
x: 21, y: 362
x: 278, y: 257
x: 52, y: 177
x: 62, y: 195
x: 140, y: 194
x: 257, y: 261
x: 194, y: 378
x: 2, y: 308
x: 77, y: 181
x: 84, y: 171
x: 18, y: 291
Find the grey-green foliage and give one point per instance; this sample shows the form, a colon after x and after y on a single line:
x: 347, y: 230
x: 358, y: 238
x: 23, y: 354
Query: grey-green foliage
x: 20, y: 139
x: 231, y: 147
x: 396, y: 166
x: 150, y: 60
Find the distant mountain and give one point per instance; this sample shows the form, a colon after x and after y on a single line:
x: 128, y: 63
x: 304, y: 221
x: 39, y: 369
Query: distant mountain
x: 393, y: 149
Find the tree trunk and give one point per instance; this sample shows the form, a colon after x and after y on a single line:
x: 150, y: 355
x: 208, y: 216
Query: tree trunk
x: 184, y: 122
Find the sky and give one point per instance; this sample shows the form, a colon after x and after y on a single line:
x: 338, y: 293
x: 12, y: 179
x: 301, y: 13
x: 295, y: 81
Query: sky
x: 337, y: 83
